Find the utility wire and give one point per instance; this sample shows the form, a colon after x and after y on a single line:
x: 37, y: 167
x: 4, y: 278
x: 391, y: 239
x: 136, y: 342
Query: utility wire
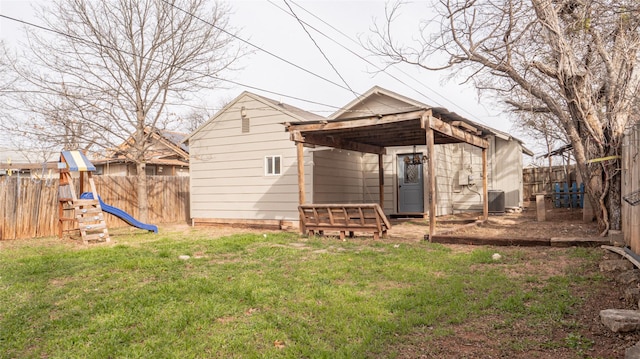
x: 257, y: 47
x: 302, y: 24
x: 162, y: 63
x: 384, y: 70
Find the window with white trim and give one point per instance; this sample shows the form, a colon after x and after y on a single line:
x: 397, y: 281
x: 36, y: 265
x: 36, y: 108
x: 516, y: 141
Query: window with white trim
x: 272, y: 165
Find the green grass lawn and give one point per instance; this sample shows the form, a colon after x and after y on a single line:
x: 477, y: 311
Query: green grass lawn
x: 255, y: 296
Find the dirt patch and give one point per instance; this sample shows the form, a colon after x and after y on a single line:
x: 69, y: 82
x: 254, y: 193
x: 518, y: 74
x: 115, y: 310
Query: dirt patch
x: 561, y: 222
x: 580, y: 334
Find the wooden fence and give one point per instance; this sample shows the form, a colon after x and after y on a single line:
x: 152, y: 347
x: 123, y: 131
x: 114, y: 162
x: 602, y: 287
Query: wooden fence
x: 29, y: 207
x: 538, y: 180
x: 631, y: 188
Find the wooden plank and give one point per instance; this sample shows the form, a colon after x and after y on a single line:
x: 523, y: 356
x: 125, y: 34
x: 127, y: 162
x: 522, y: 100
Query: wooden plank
x: 466, y: 126
x: 485, y: 186
x: 92, y: 226
x: 541, y: 211
x: 91, y: 219
x: 381, y: 179
x: 92, y: 211
x: 337, y: 142
x: 447, y: 130
x: 432, y: 175
x: 356, y: 123
x: 85, y: 202
x: 579, y: 241
x: 512, y: 241
x: 242, y: 223
x: 625, y: 253
x: 95, y: 237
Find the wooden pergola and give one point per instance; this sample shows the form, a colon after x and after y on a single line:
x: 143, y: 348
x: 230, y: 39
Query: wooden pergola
x: 373, y: 134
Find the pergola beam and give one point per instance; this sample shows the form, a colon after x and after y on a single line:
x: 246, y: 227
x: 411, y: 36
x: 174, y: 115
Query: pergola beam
x: 329, y: 141
x: 447, y: 130
x: 357, y: 123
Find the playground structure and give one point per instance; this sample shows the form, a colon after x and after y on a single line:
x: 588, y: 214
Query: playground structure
x: 79, y: 207
x: 86, y: 212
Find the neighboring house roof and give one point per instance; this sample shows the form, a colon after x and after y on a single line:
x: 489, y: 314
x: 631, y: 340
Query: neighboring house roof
x: 295, y: 112
x: 176, y: 138
x: 415, y: 105
x: 28, y: 156
x: 168, y: 149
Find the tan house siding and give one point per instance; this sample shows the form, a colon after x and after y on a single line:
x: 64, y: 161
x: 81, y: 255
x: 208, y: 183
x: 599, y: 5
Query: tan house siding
x: 377, y: 104
x: 508, y: 163
x: 228, y: 179
x: 465, y: 161
x: 337, y: 176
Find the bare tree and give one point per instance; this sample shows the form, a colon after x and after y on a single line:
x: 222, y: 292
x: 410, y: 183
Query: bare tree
x: 195, y: 118
x: 575, y: 60
x: 109, y: 71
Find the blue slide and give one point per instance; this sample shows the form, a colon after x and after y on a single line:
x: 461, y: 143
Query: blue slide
x: 121, y: 214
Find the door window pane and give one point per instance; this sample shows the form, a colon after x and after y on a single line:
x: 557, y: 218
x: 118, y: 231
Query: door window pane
x: 412, y: 172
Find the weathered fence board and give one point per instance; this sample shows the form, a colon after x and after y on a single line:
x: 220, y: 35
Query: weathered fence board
x: 543, y: 179
x: 631, y: 186
x: 29, y: 207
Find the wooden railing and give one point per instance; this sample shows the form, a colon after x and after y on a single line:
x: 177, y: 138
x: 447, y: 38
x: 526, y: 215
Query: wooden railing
x: 343, y: 218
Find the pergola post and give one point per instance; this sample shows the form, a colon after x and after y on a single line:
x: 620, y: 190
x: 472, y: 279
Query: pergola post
x: 485, y: 190
x: 301, y: 197
x: 300, y: 156
x: 381, y: 179
x: 432, y: 178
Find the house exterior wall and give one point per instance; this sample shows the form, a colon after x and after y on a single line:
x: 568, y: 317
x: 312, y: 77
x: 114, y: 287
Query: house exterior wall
x: 378, y: 104
x: 462, y: 181
x: 114, y: 169
x: 507, y: 162
x: 122, y: 169
x: 455, y: 190
x: 227, y: 167
x: 337, y: 176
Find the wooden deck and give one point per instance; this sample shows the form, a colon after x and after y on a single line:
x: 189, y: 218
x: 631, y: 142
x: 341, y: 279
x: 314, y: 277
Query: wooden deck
x: 343, y: 218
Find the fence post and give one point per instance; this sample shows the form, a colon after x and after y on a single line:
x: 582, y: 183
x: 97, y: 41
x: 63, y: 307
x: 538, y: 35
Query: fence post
x: 541, y: 211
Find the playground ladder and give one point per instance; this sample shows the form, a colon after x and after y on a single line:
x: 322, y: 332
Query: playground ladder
x: 86, y: 212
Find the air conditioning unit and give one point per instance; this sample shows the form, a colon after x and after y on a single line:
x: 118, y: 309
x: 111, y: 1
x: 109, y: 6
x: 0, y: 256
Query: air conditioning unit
x: 496, y: 201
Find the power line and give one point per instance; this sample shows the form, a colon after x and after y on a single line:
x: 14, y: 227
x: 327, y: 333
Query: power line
x: 384, y: 70
x: 303, y: 23
x: 320, y: 49
x: 163, y: 63
x: 257, y: 47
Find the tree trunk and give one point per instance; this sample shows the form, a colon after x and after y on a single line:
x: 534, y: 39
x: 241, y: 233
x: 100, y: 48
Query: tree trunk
x: 614, y: 196
x: 143, y: 202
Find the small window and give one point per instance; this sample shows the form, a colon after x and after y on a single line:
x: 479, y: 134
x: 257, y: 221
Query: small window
x: 272, y: 165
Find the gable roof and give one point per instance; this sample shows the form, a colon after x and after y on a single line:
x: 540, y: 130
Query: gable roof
x: 417, y: 105
x: 176, y: 153
x: 297, y: 113
x: 28, y: 155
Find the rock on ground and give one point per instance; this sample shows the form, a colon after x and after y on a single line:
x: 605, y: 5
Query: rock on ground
x: 620, y: 320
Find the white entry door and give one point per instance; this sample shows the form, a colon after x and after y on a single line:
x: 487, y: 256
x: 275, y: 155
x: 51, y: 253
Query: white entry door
x: 410, y: 184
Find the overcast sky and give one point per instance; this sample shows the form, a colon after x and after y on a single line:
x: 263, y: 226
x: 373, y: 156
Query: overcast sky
x: 265, y: 24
